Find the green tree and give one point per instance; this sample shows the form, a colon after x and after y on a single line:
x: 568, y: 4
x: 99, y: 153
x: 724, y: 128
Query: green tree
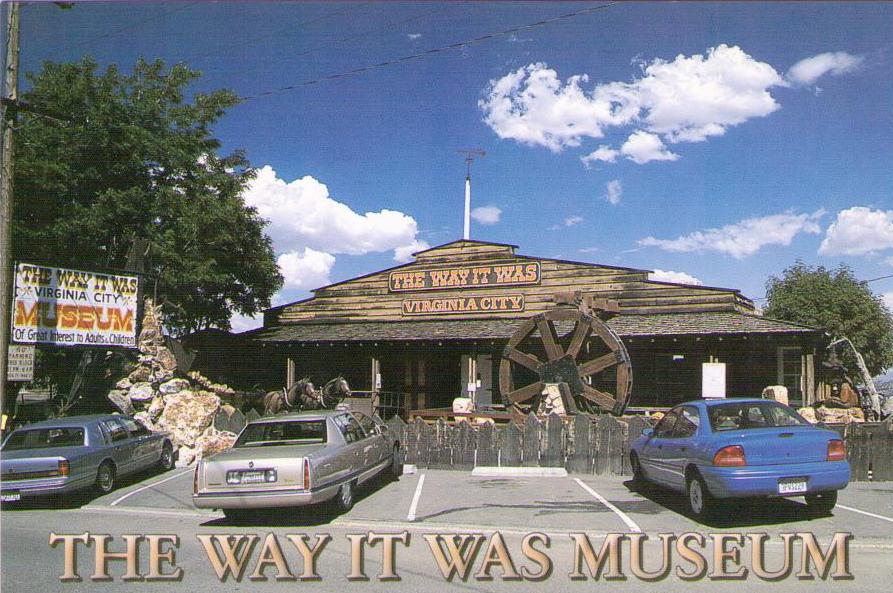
x: 836, y: 301
x: 131, y: 168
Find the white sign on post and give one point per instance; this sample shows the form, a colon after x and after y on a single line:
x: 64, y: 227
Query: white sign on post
x: 20, y: 363
x: 713, y: 379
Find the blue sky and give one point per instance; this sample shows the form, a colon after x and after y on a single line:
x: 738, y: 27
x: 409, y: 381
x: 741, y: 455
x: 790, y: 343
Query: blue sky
x: 722, y: 141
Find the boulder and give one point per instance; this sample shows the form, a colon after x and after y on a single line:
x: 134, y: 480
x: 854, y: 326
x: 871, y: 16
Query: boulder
x: 146, y: 420
x: 155, y: 408
x: 173, y: 386
x: 121, y: 400
x: 830, y: 415
x: 213, y: 441
x: 141, y: 392
x: 808, y: 414
x: 124, y: 384
x: 166, y: 359
x: 140, y: 374
x: 187, y: 414
x: 185, y: 456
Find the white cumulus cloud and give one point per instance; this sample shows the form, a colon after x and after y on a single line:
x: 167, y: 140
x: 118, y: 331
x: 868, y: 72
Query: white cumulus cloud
x: 309, y: 228
x: 675, y: 277
x: 888, y: 299
x: 743, y: 238
x: 687, y: 99
x: 414, y: 36
x: 404, y: 254
x: 305, y: 269
x: 603, y: 153
x: 643, y: 147
x: 573, y: 220
x: 809, y: 70
x: 301, y: 213
x: 615, y: 192
x: 486, y: 214
x: 859, y: 231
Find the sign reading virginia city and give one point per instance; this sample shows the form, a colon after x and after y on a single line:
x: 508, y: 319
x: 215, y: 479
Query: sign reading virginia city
x: 464, y: 304
x: 74, y: 308
x: 489, y: 275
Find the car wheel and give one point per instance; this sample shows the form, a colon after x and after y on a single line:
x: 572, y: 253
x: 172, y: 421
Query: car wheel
x: 344, y: 499
x: 636, y: 467
x: 105, y: 477
x: 396, y: 464
x: 700, y: 502
x: 166, y: 462
x: 821, y: 503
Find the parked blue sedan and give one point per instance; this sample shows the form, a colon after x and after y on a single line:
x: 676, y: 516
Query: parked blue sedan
x: 740, y: 448
x: 66, y: 454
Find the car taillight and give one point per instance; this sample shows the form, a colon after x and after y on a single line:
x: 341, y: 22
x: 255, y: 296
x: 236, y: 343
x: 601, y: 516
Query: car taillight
x: 64, y: 467
x: 731, y: 456
x: 306, y: 474
x: 836, y: 450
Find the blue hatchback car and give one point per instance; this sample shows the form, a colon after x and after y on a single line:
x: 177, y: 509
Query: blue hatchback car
x: 741, y: 448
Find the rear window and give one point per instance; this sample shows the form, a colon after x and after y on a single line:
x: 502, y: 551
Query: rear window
x: 44, y: 438
x: 743, y: 416
x: 291, y: 432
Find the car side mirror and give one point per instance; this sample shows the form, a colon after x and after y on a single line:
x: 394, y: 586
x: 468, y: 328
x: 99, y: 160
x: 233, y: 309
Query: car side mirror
x: 647, y: 432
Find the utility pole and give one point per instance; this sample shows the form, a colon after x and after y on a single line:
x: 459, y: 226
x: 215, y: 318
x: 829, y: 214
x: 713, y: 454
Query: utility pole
x: 8, y: 120
x: 470, y: 154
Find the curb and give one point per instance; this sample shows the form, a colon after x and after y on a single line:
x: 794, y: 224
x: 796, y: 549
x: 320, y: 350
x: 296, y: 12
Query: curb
x: 518, y: 472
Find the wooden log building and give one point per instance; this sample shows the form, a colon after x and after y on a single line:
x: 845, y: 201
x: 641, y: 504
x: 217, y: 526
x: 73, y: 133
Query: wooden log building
x: 431, y: 330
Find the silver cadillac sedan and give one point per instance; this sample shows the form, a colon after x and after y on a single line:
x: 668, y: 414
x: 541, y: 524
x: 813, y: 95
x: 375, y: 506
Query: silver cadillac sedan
x: 297, y: 459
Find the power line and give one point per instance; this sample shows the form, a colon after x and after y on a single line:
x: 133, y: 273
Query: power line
x: 132, y: 26
x: 430, y: 52
x: 393, y: 24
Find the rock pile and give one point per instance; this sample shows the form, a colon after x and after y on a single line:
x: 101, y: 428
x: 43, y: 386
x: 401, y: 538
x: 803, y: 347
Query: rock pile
x: 832, y: 415
x: 184, y: 407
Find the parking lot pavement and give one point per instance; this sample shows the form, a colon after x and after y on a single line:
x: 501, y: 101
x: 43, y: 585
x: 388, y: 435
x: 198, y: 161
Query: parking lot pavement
x: 434, y: 499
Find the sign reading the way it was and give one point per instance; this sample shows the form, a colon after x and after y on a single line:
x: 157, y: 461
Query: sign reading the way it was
x: 464, y: 304
x: 74, y: 308
x: 476, y: 276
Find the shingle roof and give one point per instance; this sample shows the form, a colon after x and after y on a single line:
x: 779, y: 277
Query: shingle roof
x: 501, y: 329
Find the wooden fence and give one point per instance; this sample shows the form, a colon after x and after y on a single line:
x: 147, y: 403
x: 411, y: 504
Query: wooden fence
x: 579, y: 444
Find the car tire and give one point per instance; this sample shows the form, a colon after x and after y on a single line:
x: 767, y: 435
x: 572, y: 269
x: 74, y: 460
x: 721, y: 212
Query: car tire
x: 344, y: 498
x: 821, y: 503
x: 396, y: 463
x: 105, y: 477
x: 166, y: 462
x: 636, y: 467
x: 701, y: 503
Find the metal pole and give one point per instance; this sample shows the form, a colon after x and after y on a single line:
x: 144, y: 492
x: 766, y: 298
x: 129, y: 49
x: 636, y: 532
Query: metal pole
x: 10, y: 90
x: 467, y: 229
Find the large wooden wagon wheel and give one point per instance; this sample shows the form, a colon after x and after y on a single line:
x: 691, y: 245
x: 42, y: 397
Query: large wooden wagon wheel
x: 577, y: 365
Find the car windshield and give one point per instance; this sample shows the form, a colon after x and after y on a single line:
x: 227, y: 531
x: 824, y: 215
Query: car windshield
x: 287, y: 432
x: 746, y: 415
x: 44, y: 438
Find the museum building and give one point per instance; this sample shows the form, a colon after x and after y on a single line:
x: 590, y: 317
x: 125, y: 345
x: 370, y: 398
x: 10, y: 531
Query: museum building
x: 426, y: 332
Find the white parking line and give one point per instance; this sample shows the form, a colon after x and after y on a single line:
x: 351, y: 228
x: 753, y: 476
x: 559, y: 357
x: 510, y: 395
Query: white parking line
x: 852, y: 510
x: 146, y: 487
x: 629, y: 522
x: 415, y: 499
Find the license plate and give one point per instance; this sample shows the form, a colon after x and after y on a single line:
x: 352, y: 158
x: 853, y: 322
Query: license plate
x: 254, y: 477
x: 792, y: 486
x: 10, y: 497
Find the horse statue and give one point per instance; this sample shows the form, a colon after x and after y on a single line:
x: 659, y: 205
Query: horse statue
x: 304, y: 396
